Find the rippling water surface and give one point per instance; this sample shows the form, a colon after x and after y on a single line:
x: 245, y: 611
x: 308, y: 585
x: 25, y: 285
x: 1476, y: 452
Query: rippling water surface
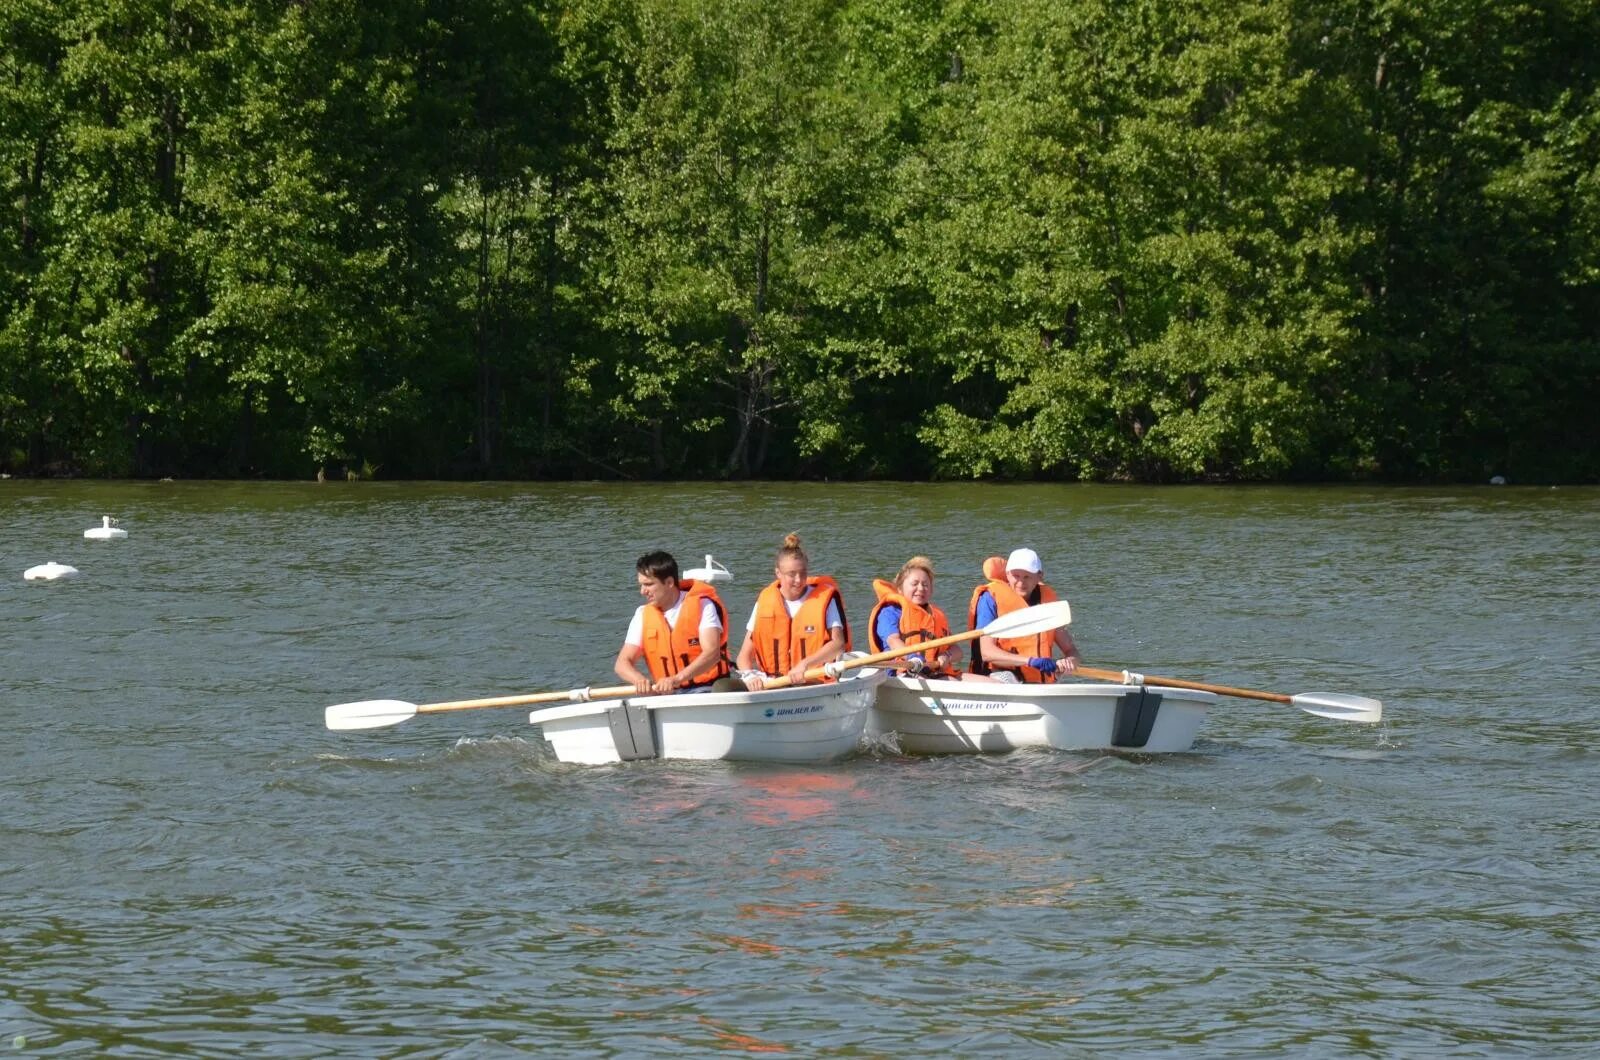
x: 190, y: 862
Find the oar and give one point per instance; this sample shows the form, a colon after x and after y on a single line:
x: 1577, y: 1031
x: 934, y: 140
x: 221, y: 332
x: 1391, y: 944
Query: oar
x: 1339, y: 706
x: 1041, y: 618
x: 377, y: 713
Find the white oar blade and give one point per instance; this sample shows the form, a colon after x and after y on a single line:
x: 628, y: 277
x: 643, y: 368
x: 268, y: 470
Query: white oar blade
x: 369, y: 714
x: 1041, y: 618
x: 1339, y: 706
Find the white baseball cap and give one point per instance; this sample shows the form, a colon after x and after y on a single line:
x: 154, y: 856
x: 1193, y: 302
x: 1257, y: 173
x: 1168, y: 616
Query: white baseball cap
x: 1024, y: 559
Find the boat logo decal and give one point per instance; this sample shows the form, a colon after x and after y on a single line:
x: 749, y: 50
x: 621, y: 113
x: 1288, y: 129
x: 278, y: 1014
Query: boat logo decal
x: 789, y: 712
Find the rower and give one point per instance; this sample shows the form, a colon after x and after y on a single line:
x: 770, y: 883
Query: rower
x: 1028, y: 659
x: 680, y: 631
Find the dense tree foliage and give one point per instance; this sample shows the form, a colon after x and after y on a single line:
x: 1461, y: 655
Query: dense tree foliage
x: 1156, y: 239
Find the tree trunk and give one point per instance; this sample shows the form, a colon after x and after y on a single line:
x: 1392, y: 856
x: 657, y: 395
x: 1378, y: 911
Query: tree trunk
x: 482, y: 326
x: 756, y: 380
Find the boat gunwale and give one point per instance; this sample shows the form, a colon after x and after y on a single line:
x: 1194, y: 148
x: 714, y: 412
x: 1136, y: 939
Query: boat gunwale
x: 1030, y: 693
x: 671, y: 703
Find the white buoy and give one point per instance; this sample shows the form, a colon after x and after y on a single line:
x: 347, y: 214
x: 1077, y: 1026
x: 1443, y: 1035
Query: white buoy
x: 712, y: 572
x: 1498, y: 480
x: 49, y: 572
x: 105, y: 531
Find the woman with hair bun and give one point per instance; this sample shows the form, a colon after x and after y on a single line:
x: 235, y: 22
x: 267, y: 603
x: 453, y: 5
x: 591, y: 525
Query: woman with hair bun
x: 798, y: 622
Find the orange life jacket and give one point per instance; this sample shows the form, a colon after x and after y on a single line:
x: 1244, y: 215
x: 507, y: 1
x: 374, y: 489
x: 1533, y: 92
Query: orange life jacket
x: 1006, y: 601
x: 782, y: 642
x: 669, y: 649
x: 917, y: 624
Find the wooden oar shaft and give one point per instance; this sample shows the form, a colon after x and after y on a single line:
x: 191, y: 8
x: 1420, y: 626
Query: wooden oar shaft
x: 1174, y: 682
x: 1030, y: 620
x: 613, y: 691
x: 1049, y: 615
x: 610, y: 692
x: 818, y: 672
x: 912, y: 649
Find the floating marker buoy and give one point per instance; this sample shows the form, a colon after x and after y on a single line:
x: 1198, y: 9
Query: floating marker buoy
x: 105, y: 531
x: 49, y: 572
x: 712, y: 572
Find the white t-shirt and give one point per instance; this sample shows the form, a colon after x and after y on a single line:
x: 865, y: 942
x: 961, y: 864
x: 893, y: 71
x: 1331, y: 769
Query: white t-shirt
x: 708, y: 617
x: 835, y: 616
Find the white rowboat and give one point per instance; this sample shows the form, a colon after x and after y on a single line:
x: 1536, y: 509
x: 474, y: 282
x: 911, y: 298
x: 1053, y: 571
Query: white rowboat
x: 808, y: 724
x: 820, y: 723
x: 951, y: 717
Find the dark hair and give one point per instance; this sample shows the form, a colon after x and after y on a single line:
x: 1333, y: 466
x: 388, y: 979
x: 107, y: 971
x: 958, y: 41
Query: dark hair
x: 659, y: 565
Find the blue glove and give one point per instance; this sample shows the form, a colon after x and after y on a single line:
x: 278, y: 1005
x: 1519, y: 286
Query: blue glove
x: 1042, y: 664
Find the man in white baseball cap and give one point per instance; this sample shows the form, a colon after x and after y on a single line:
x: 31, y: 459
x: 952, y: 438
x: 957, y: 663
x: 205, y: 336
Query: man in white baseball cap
x: 1024, y: 559
x: 1029, y: 659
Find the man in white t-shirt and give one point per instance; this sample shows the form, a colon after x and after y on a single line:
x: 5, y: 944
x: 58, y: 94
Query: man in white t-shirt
x: 678, y: 632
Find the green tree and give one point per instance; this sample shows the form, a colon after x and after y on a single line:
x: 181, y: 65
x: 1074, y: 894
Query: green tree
x: 1474, y: 131
x: 527, y: 138
x: 1139, y: 269
x: 113, y: 91
x: 33, y: 414
x: 750, y: 263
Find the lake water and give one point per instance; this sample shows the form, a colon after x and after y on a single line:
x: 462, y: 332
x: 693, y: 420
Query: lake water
x: 191, y: 863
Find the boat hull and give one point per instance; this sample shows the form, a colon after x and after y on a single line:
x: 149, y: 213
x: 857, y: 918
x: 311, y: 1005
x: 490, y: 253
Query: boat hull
x: 970, y: 717
x: 810, y: 724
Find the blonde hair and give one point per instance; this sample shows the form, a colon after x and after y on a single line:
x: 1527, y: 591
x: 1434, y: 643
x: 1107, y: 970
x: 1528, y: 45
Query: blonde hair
x: 922, y: 563
x: 791, y: 547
